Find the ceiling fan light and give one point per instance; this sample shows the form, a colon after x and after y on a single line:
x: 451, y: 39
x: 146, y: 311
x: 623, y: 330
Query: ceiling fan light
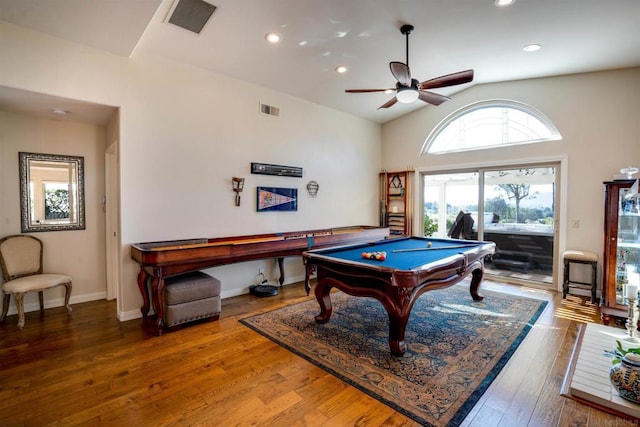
x: 407, y: 95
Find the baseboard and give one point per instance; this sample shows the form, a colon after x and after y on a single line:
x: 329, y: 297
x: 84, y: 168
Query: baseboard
x: 123, y: 316
x: 56, y: 302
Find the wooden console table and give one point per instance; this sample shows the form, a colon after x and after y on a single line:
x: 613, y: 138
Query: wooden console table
x: 159, y: 260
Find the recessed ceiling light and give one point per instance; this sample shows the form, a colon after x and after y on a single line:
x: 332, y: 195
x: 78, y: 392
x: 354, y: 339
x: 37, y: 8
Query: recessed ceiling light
x: 341, y: 69
x: 532, y: 47
x: 503, y: 3
x: 272, y: 37
x: 59, y: 112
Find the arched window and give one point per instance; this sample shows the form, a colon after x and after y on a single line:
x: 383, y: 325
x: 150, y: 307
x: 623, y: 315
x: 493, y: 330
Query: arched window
x: 490, y: 124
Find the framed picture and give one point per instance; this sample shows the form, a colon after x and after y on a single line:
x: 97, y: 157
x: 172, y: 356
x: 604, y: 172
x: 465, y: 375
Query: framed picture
x: 277, y: 199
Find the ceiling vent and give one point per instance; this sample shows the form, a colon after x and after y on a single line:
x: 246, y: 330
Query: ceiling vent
x: 269, y: 110
x: 191, y: 15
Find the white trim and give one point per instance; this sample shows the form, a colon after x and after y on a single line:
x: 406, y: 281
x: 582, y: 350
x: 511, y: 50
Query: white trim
x: 56, y: 302
x: 491, y: 103
x: 110, y: 207
x: 123, y: 316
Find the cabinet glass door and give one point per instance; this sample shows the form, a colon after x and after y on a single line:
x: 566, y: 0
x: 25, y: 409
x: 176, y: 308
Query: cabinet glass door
x: 628, y: 242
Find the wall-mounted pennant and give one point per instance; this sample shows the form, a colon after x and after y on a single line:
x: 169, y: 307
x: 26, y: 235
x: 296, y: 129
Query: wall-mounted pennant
x: 277, y: 199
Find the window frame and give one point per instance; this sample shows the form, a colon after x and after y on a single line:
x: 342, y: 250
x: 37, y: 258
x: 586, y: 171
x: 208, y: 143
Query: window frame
x: 493, y: 103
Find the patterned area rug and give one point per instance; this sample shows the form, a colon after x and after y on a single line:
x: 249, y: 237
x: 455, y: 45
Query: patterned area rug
x: 456, y: 347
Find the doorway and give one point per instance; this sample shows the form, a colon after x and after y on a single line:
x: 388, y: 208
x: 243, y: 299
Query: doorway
x: 513, y: 206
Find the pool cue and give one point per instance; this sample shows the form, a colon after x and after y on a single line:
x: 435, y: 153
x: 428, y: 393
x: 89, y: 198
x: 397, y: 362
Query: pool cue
x: 432, y: 249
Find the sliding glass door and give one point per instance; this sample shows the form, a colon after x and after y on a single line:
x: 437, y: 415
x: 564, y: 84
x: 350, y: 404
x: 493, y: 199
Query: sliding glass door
x: 511, y: 206
x: 445, y: 196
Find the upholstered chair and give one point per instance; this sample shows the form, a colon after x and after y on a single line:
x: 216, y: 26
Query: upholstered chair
x: 21, y: 262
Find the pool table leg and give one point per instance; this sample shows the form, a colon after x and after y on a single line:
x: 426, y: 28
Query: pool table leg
x: 309, y: 269
x: 397, y: 322
x: 476, y: 279
x: 323, y: 296
x: 397, y: 326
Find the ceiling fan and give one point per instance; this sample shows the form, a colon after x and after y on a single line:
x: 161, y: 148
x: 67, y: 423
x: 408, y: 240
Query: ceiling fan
x: 409, y: 89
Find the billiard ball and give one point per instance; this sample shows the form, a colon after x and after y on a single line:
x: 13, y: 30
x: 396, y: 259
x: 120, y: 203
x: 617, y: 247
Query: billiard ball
x: 429, y: 244
x: 378, y: 256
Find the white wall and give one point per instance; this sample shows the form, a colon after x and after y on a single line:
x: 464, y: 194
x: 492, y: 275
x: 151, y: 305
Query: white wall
x: 596, y: 113
x: 185, y: 132
x: 79, y: 253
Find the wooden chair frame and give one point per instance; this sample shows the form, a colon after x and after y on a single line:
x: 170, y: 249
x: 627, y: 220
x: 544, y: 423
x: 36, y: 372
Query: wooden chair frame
x: 32, y: 279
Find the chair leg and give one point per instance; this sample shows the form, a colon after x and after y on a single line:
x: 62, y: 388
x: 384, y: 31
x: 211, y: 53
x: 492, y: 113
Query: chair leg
x: 565, y: 284
x: 41, y: 300
x: 20, y: 306
x: 5, y: 306
x: 594, y: 281
x: 67, y: 296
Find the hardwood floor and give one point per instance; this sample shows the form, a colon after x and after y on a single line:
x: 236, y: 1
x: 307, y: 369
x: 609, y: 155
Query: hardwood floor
x: 90, y: 369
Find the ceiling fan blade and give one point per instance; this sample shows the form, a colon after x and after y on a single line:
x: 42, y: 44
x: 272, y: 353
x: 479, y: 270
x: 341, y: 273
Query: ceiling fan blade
x: 368, y: 90
x: 432, y: 98
x: 389, y: 103
x: 448, y: 80
x: 401, y: 72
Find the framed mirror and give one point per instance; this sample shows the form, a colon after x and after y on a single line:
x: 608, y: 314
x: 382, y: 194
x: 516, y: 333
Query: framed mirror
x: 51, y: 192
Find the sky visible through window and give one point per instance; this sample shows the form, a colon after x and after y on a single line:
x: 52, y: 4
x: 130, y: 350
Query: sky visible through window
x: 489, y: 125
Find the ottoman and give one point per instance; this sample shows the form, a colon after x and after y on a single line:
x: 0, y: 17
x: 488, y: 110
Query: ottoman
x: 189, y: 297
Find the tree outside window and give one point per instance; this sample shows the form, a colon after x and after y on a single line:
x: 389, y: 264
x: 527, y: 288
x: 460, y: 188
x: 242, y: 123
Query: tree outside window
x: 56, y: 201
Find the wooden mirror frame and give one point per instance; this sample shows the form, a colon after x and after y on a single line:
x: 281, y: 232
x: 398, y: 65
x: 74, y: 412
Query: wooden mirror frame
x: 75, y: 167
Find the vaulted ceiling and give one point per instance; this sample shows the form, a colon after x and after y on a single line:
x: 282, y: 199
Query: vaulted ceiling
x: 363, y: 35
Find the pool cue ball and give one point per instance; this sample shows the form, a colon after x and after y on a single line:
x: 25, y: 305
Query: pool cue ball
x: 429, y: 244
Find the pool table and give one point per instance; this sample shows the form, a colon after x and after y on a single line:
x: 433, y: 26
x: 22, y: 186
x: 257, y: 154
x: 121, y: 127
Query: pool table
x: 412, y: 266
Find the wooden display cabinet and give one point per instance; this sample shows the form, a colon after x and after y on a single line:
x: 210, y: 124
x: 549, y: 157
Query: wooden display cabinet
x: 621, y: 246
x: 396, y: 201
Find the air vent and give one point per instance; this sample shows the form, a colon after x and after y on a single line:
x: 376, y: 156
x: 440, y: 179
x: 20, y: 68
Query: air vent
x: 191, y: 15
x: 269, y: 110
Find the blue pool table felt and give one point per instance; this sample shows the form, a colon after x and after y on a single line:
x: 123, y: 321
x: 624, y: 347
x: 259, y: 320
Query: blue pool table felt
x: 407, y: 260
